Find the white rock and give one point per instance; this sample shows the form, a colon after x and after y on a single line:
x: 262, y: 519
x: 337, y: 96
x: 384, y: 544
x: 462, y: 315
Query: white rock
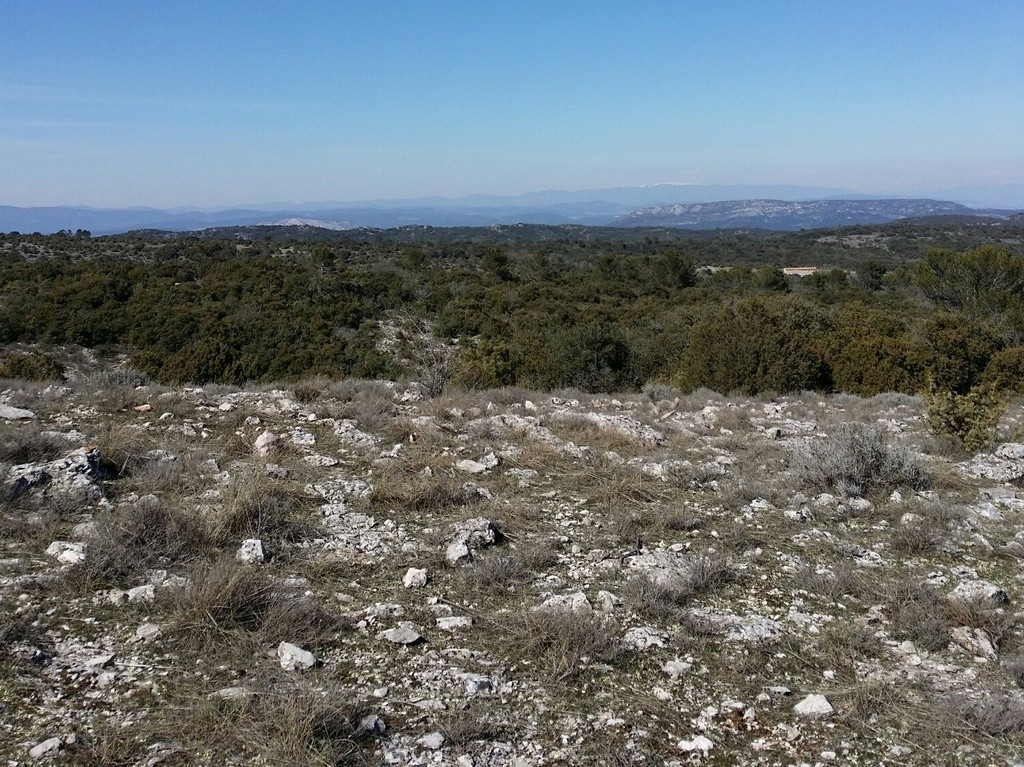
x: 48, y: 747
x: 67, y: 552
x: 232, y: 693
x: 294, y: 658
x: 431, y: 741
x: 470, y: 466
x: 454, y: 623
x: 980, y: 591
x: 813, y: 706
x: 266, y: 443
x: 251, y: 552
x: 404, y: 634
x: 146, y: 633
x: 457, y: 553
x: 17, y: 414
x: 144, y: 593
x: 414, y: 578
x: 699, y: 745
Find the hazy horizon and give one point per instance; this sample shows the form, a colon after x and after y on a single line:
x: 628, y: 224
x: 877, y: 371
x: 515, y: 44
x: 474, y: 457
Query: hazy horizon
x: 115, y: 104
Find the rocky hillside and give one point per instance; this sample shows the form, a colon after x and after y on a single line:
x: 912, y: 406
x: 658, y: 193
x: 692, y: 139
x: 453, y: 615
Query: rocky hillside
x: 789, y: 216
x: 352, y: 573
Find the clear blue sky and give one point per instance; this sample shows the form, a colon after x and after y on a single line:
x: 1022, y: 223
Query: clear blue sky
x: 147, y: 102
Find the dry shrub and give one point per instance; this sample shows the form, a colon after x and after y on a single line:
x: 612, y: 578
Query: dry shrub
x: 29, y: 444
x: 561, y: 644
x: 857, y: 459
x: 495, y: 573
x: 404, y: 492
x: 225, y: 596
x: 917, y: 613
x: 653, y: 599
x: 288, y: 725
x: 461, y: 729
x: 256, y: 506
x: 132, y: 539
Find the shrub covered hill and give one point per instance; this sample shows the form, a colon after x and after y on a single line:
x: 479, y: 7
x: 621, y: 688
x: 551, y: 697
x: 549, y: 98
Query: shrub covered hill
x: 901, y: 307
x: 221, y: 544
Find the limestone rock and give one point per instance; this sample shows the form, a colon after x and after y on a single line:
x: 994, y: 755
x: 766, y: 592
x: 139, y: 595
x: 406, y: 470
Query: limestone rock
x: 48, y: 747
x: 266, y: 443
x: 15, y: 413
x: 813, y: 706
x: 294, y: 658
x: 67, y: 552
x: 980, y: 592
x: 414, y: 578
x: 251, y: 552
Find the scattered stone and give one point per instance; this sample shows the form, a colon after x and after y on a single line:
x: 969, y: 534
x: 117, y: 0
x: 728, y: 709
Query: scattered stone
x: 414, y: 578
x: 405, y: 634
x: 266, y: 443
x: 251, y: 552
x: 67, y: 552
x: 431, y: 741
x: 980, y: 592
x: 813, y: 706
x: 16, y: 414
x: 294, y: 658
x: 48, y: 747
x: 699, y: 745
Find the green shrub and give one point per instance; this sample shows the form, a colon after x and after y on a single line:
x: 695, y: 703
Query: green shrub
x: 1005, y: 371
x: 970, y: 418
x: 33, y: 366
x: 758, y: 344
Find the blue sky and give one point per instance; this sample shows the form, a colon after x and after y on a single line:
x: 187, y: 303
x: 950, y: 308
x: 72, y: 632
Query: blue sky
x: 216, y: 103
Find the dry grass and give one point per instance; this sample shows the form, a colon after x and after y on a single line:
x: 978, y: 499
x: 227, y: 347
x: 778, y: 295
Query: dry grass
x: 134, y: 538
x: 495, y: 573
x: 285, y: 724
x: 224, y: 598
x: 414, y: 493
x: 558, y: 645
x: 29, y: 444
x: 255, y: 506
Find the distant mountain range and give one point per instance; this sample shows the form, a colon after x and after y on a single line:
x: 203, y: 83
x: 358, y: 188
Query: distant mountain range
x: 784, y: 215
x: 677, y: 205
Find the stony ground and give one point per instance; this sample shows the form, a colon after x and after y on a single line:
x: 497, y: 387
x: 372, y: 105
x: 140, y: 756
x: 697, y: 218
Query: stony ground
x: 352, y: 573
